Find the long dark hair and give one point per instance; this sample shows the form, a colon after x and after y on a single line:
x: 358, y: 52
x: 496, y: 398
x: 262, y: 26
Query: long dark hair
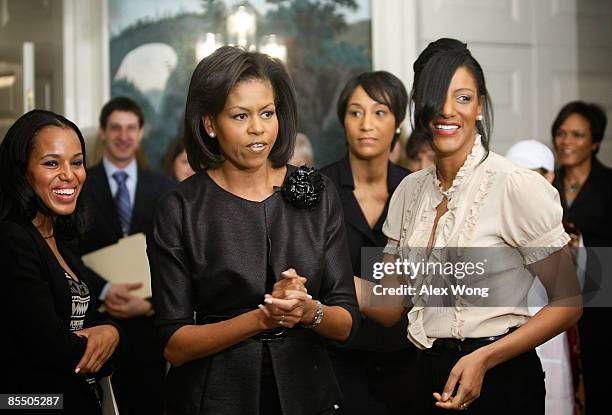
x: 211, y: 83
x: 18, y: 201
x: 433, y: 71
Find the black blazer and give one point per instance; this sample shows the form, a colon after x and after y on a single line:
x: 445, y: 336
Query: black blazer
x: 591, y: 211
x: 211, y: 253
x: 371, y: 336
x: 103, y: 227
x: 40, y: 351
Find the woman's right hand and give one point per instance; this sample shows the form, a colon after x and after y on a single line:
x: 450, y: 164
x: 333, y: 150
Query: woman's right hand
x: 101, y: 343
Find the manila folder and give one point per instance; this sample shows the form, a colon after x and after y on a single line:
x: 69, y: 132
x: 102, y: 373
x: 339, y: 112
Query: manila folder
x: 125, y: 261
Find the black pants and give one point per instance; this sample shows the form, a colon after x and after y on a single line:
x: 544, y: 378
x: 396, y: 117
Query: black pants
x: 374, y: 383
x: 138, y: 377
x: 513, y: 387
x: 595, y: 360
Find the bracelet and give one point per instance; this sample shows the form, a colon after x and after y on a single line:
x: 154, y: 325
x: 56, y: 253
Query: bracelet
x: 317, y: 317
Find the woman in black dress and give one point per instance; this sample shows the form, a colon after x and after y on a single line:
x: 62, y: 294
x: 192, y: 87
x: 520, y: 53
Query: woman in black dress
x: 54, y: 340
x: 371, y: 107
x: 231, y: 245
x: 584, y: 183
x: 585, y: 186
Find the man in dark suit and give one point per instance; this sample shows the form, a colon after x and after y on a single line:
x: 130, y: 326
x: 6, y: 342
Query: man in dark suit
x: 120, y: 199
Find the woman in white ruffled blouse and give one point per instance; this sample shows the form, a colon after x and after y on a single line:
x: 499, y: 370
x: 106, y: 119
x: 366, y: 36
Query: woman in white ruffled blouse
x: 472, y: 206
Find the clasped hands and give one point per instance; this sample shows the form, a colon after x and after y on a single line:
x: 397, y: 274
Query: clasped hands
x: 289, y: 303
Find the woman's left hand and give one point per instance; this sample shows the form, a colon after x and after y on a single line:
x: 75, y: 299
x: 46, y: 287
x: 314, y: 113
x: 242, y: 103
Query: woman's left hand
x: 468, y: 373
x: 101, y: 343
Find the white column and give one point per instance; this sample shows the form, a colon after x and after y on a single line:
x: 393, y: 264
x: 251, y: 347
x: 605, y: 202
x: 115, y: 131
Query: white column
x: 86, y: 61
x: 395, y: 38
x: 28, y: 76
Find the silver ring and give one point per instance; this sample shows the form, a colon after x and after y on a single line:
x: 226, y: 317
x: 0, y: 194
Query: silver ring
x: 282, y: 320
x: 464, y: 406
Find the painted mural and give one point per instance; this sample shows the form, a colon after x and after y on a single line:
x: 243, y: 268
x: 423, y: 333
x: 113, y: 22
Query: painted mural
x: 156, y: 44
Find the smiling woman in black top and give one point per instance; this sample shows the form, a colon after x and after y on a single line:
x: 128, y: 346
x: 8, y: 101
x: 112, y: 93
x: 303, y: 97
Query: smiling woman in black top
x: 371, y: 107
x: 55, y: 341
x: 585, y: 186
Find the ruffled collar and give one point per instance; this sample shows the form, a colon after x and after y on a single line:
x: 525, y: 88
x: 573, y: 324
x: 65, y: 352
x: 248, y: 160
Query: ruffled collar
x: 468, y: 166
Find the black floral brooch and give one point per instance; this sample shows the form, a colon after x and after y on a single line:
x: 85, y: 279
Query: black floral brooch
x: 303, y: 188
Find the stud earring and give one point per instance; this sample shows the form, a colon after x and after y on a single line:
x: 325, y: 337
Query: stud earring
x: 397, y: 130
x: 211, y: 134
x: 479, y: 118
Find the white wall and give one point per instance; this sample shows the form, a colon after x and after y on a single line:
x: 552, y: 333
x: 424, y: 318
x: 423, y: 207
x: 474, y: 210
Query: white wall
x: 595, y: 60
x: 537, y: 55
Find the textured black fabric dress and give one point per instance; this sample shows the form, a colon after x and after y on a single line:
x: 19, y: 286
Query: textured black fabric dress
x: 210, y: 255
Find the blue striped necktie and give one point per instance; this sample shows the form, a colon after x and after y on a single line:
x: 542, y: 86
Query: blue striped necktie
x: 122, y: 200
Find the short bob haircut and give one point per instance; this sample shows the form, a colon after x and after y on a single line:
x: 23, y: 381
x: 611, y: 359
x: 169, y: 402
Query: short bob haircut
x: 18, y: 201
x: 211, y: 83
x: 120, y: 104
x: 383, y: 87
x: 593, y: 113
x: 433, y: 71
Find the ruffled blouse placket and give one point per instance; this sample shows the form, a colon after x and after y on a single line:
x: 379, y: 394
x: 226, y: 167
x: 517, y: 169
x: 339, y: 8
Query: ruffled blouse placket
x: 448, y: 227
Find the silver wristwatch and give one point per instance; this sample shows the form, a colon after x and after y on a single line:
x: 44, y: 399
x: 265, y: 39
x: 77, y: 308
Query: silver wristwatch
x: 317, y: 317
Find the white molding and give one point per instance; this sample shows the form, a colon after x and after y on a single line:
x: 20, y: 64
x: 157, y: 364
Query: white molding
x: 105, y: 50
x: 28, y: 76
x: 395, y: 37
x: 85, y: 60
x: 69, y: 59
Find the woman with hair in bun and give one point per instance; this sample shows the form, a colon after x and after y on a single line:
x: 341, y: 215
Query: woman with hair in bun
x: 476, y: 353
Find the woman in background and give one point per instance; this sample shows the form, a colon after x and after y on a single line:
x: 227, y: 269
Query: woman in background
x: 176, y: 166
x: 419, y: 153
x: 55, y: 341
x: 371, y: 108
x: 584, y: 183
x: 585, y: 186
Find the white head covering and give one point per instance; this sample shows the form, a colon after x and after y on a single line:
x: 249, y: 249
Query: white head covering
x: 532, y: 154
